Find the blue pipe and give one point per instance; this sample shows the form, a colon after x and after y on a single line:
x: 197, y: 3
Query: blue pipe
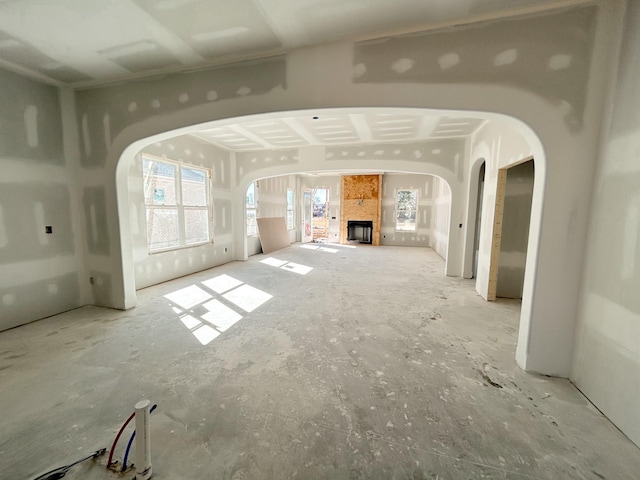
x: 133, y: 435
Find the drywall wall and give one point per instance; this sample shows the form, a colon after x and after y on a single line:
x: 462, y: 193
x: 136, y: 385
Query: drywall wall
x: 41, y: 273
x: 562, y: 106
x: 441, y: 201
x: 391, y: 183
x: 606, y: 363
x: 515, y: 230
x: 154, y: 268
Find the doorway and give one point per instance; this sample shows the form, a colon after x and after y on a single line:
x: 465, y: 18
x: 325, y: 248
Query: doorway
x: 514, y: 195
x: 307, y: 215
x: 320, y: 214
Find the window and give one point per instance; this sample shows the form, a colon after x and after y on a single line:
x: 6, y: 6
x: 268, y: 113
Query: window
x: 290, y: 214
x: 252, y: 209
x: 176, y: 198
x: 406, y: 210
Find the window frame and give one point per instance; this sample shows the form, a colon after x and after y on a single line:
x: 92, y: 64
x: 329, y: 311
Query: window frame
x: 179, y: 205
x: 291, y: 208
x: 397, y: 209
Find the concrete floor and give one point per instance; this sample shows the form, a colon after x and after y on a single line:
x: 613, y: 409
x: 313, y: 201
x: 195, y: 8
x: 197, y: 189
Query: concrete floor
x: 373, y: 365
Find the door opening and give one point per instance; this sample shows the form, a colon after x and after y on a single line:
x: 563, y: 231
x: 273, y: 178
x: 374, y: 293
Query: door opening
x: 320, y: 214
x: 476, y: 238
x: 511, y: 231
x: 307, y: 215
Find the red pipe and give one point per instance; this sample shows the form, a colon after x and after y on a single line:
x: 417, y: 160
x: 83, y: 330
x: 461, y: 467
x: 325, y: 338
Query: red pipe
x: 113, y: 447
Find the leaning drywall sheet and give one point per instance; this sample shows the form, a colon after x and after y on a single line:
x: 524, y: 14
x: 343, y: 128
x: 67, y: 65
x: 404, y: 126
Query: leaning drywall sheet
x: 273, y: 234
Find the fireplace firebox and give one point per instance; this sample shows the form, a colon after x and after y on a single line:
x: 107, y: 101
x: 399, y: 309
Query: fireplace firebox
x: 360, y: 230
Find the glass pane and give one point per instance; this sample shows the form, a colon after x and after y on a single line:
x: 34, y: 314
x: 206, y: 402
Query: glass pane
x: 290, y: 199
x: 162, y: 228
x: 196, y: 225
x: 159, y: 181
x: 406, y: 220
x: 252, y: 224
x: 251, y: 196
x: 194, y: 187
x: 290, y: 219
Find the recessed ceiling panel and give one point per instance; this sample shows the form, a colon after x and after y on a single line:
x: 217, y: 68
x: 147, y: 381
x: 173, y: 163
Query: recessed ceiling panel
x: 141, y: 56
x: 214, y: 28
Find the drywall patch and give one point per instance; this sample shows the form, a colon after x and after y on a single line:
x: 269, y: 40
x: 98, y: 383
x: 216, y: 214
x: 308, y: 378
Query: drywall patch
x: 448, y: 60
x: 359, y: 70
x: 402, y: 65
x: 86, y: 136
x: 506, y: 58
x: 183, y: 97
x: 95, y: 209
x: 559, y: 61
x: 243, y: 91
x: 133, y: 106
x: 4, y: 238
x: 31, y: 125
x: 212, y: 95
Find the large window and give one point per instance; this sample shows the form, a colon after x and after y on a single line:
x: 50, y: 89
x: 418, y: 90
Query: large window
x: 290, y: 211
x: 406, y: 210
x: 252, y: 209
x: 177, y: 202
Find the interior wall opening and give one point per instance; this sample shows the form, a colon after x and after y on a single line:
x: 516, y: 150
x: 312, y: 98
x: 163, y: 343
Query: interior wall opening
x: 478, y: 222
x: 512, y: 220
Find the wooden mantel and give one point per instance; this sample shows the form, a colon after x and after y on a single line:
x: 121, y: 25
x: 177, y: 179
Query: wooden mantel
x: 361, y: 199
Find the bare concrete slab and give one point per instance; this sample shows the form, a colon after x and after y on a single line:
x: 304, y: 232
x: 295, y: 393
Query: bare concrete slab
x: 327, y: 362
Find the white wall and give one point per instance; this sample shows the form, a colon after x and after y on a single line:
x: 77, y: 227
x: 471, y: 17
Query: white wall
x: 151, y: 269
x: 606, y: 363
x: 41, y: 274
x: 440, y: 219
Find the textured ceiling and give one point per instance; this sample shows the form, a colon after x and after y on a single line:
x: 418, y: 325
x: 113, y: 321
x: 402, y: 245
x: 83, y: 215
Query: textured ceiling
x: 92, y: 42
x: 383, y: 126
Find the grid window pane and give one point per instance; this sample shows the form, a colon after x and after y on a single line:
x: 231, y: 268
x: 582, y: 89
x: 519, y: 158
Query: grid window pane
x: 194, y: 187
x: 162, y: 228
x: 159, y: 182
x: 406, y: 210
x: 290, y: 219
x: 196, y: 225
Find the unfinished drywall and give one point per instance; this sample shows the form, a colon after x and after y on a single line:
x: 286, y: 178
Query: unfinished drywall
x: 606, y: 363
x: 153, y: 268
x: 515, y: 230
x: 483, y: 54
x: 440, y: 217
x: 391, y: 183
x: 41, y: 253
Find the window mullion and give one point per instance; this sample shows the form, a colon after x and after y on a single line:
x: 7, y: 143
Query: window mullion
x: 180, y: 205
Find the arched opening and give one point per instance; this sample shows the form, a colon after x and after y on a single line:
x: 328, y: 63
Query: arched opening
x: 243, y: 169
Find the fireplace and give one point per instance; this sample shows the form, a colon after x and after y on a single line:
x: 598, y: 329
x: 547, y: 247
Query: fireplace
x: 360, y: 230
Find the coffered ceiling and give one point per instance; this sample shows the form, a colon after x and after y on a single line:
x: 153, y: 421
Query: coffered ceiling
x: 376, y: 126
